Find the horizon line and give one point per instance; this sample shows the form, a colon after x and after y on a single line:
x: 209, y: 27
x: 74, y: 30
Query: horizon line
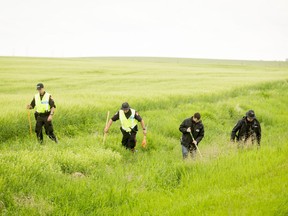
x: 155, y: 57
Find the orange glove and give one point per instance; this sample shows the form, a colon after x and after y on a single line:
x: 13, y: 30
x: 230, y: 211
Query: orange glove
x: 144, y: 142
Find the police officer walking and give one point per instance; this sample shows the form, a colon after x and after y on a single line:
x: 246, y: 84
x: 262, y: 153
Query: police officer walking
x: 248, y: 128
x: 191, y: 125
x: 45, y: 108
x: 129, y: 119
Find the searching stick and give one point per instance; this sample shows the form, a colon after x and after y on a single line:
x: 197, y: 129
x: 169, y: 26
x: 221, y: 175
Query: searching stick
x: 30, y: 124
x: 144, y: 141
x: 104, y: 136
x: 195, y: 144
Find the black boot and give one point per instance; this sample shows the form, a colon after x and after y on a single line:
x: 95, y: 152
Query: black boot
x: 53, y: 137
x: 40, y: 138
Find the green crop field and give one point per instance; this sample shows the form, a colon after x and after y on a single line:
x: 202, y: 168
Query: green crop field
x: 40, y: 179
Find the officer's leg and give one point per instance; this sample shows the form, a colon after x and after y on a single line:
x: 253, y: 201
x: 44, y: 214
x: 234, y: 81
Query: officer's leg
x: 184, y: 152
x: 38, y: 128
x: 192, y: 152
x: 241, y: 142
x: 125, y: 138
x: 240, y: 145
x: 253, y: 138
x: 132, y: 141
x: 49, y: 130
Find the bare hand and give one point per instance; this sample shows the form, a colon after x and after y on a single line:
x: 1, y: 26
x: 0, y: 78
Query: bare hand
x: 195, y: 142
x: 29, y: 106
x: 106, y: 130
x: 49, y: 118
x: 188, y: 130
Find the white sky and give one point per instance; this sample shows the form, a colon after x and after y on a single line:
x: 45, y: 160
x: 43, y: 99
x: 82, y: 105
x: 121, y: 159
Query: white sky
x: 223, y: 29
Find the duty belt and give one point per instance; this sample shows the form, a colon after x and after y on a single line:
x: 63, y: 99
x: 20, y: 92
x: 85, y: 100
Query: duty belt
x: 43, y: 114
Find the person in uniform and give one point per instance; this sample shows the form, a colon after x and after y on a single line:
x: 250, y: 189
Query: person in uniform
x: 45, y: 107
x: 247, y: 128
x: 191, y: 125
x: 128, y: 118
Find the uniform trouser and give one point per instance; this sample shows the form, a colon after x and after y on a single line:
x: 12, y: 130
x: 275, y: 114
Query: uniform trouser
x: 186, y: 151
x: 40, y: 121
x: 129, y: 139
x: 247, y: 140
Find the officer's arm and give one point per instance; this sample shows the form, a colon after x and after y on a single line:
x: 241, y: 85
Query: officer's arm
x: 183, y: 127
x: 51, y: 102
x: 258, y: 134
x: 138, y: 117
x: 52, y: 110
x: 143, y: 126
x: 108, y: 126
x: 235, y: 130
x: 200, y: 136
x: 32, y: 104
x: 114, y: 118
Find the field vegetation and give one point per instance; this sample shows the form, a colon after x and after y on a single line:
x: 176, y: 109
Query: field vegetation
x: 83, y: 176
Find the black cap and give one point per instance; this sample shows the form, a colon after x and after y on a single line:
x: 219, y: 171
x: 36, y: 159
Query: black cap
x: 125, y: 106
x: 39, y: 86
x: 250, y: 114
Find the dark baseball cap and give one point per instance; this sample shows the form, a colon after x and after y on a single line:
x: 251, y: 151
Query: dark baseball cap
x: 39, y: 86
x: 250, y: 114
x: 125, y: 106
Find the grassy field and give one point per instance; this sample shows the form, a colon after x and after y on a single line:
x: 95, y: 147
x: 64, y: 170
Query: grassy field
x: 40, y: 179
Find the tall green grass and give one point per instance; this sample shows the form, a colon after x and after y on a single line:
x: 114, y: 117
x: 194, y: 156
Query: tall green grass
x: 40, y: 179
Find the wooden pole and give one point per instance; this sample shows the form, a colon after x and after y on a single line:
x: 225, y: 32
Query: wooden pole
x: 105, y: 134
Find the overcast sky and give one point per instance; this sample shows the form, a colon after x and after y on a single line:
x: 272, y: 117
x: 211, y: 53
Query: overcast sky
x: 222, y: 29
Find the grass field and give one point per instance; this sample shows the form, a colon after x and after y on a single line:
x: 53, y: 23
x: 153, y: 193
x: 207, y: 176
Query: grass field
x: 40, y: 179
